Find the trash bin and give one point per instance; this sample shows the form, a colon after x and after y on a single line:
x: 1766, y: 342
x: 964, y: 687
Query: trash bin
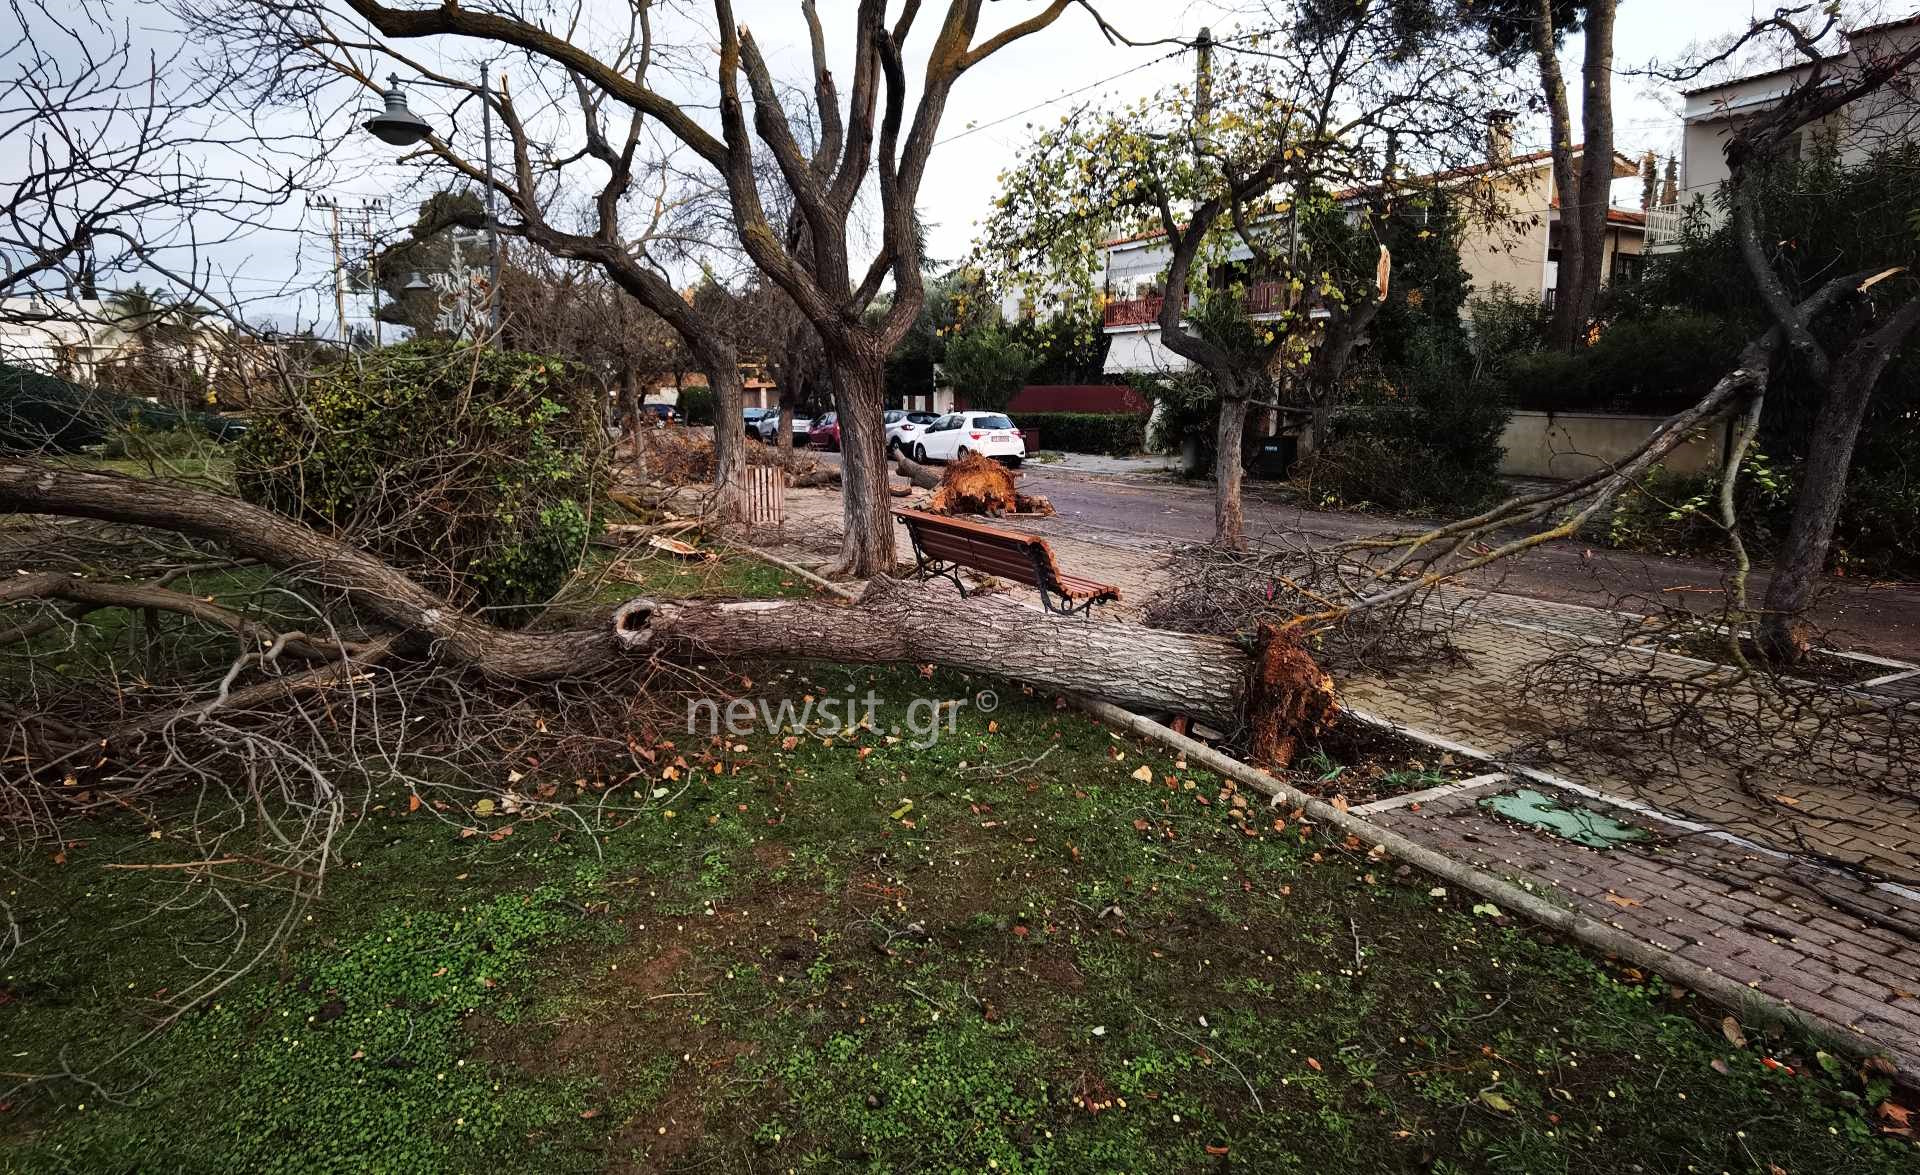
x: 1275, y: 456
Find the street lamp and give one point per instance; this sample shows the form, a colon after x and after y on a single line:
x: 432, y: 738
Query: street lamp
x: 401, y: 127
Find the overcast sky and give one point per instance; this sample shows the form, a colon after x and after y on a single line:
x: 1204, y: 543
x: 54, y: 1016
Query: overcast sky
x: 993, y: 112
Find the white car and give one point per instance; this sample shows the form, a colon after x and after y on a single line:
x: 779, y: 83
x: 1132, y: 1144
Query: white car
x: 956, y: 434
x: 767, y: 428
x: 903, y: 427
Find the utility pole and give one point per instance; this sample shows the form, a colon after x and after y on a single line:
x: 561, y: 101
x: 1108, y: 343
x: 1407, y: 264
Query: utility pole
x: 493, y: 230
x: 339, y: 272
x: 354, y: 235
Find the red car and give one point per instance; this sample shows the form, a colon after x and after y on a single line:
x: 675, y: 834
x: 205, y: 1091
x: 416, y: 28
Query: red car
x: 825, y: 433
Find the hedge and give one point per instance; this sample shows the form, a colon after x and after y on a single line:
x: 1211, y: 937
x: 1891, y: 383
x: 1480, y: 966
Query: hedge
x: 475, y: 470
x: 1111, y: 434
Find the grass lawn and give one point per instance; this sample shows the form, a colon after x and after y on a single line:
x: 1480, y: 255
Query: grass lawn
x: 1008, y: 950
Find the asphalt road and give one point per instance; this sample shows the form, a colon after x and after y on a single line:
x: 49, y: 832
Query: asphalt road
x: 1878, y: 618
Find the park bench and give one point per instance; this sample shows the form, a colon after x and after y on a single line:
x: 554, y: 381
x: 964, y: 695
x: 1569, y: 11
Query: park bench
x: 943, y: 545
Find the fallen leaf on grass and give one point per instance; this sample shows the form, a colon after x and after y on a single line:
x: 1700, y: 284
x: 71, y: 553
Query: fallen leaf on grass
x: 1144, y: 774
x: 1897, y: 1118
x: 413, y: 803
x: 1730, y: 1028
x: 1496, y: 1102
x: 1314, y: 1065
x: 1721, y: 1067
x: 589, y: 1113
x: 483, y: 808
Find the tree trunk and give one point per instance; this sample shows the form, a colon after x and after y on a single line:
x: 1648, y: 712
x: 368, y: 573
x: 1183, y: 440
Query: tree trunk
x: 1229, y: 524
x: 1823, y: 485
x: 1141, y: 668
x: 1144, y: 668
x: 630, y: 403
x: 860, y: 397
x: 1596, y: 160
x: 1568, y: 315
x: 729, y: 434
x: 915, y: 472
x: 789, y: 404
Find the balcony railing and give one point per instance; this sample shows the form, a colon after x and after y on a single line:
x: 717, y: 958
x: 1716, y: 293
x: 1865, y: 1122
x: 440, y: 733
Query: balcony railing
x: 1665, y: 226
x: 1134, y: 311
x: 1266, y: 298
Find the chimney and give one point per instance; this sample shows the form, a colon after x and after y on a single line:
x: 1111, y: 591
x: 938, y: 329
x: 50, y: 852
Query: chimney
x: 1500, y: 137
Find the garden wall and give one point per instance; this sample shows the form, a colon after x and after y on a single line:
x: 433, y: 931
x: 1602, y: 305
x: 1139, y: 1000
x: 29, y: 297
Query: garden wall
x: 1572, y: 444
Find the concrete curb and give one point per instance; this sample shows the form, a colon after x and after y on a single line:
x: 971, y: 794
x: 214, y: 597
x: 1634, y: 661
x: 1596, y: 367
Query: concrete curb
x: 1509, y: 896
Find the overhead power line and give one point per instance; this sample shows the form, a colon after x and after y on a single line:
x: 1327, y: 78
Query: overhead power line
x: 1041, y: 105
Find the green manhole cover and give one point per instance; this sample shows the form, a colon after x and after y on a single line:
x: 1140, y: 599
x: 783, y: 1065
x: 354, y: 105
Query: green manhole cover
x: 1582, y: 826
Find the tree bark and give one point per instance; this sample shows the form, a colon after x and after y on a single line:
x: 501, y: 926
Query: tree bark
x: 729, y: 433
x: 1823, y: 486
x: 1229, y: 520
x: 1596, y: 160
x: 915, y: 472
x: 630, y: 403
x: 789, y: 404
x: 860, y: 398
x: 1567, y: 313
x: 1141, y: 668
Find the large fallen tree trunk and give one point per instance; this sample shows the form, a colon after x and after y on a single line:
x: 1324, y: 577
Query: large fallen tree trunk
x: 1210, y: 678
x: 1151, y: 669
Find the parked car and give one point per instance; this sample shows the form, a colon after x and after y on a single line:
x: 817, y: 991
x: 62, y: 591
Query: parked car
x: 825, y: 433
x: 769, y: 427
x: 753, y: 417
x: 658, y: 414
x: 904, y: 427
x: 956, y: 434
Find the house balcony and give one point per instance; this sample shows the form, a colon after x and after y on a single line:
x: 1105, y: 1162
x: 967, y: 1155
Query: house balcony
x: 1267, y: 299
x: 1667, y: 227
x: 1133, y: 312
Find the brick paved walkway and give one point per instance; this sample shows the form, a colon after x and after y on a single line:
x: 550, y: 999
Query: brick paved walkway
x: 1800, y: 884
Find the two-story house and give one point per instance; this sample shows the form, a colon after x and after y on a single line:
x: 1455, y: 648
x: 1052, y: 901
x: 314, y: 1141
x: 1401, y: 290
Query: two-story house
x: 1712, y: 111
x: 1521, y: 251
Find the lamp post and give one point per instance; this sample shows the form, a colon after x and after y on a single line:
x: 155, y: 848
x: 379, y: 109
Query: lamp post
x: 401, y: 127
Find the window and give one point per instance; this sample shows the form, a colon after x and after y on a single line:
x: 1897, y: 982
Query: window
x: 991, y: 421
x: 1626, y: 267
x: 894, y: 416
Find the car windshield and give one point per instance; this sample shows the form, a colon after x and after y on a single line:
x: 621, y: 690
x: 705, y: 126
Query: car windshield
x: 922, y: 417
x: 992, y: 422
x: 894, y: 416
x: 755, y: 413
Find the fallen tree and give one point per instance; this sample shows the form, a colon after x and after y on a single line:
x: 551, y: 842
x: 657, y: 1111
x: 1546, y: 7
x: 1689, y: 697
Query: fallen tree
x: 1215, y: 679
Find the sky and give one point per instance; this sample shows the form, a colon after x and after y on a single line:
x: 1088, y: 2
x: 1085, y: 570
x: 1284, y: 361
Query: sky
x: 994, y: 110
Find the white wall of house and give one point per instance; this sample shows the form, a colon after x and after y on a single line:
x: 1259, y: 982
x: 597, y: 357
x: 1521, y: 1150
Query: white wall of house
x: 1711, y: 113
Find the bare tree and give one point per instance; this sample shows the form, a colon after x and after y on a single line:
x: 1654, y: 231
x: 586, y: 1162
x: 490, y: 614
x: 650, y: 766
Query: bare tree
x: 881, y: 129
x: 114, y: 177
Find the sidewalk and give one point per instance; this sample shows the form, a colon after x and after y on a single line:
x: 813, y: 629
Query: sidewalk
x: 1805, y: 886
